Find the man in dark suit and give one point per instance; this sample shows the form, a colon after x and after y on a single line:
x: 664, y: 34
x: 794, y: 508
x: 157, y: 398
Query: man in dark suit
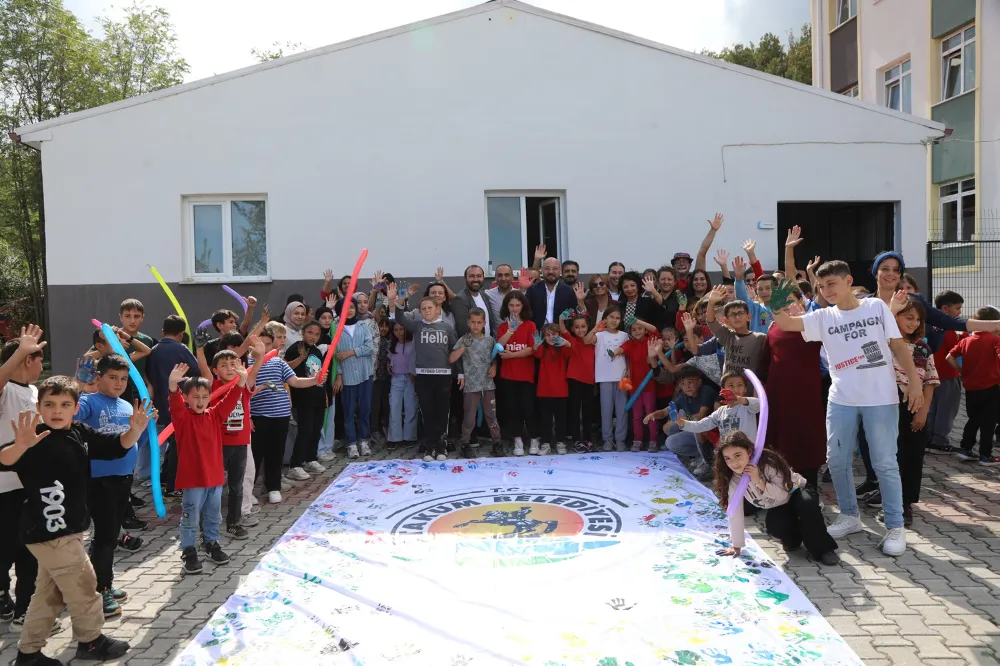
x: 472, y: 297
x: 549, y: 297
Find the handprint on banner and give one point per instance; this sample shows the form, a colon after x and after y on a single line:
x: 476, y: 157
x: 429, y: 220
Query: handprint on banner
x: 620, y: 604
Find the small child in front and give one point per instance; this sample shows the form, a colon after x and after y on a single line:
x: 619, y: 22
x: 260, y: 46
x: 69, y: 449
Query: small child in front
x: 793, y: 511
x: 200, y: 471
x: 738, y: 412
x: 53, y: 462
x: 478, y: 370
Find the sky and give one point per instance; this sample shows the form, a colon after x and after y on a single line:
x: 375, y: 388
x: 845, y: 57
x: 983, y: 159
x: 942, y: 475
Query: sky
x: 215, y: 36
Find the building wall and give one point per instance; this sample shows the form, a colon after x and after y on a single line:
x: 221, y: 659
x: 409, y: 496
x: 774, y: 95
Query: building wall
x: 988, y: 182
x: 391, y: 145
x: 893, y: 31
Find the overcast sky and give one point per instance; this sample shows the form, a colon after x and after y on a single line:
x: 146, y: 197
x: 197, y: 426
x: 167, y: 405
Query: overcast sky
x: 216, y: 35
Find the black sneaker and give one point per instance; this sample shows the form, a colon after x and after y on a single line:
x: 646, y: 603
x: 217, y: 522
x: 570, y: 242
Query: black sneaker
x: 192, y: 565
x: 136, y: 502
x: 237, y: 531
x: 875, y: 500
x: 215, y: 553
x: 118, y: 595
x: 6, y: 607
x: 907, y: 515
x: 940, y: 449
x: 34, y: 659
x: 790, y: 546
x: 827, y: 477
x: 103, y: 649
x: 830, y: 558
x: 133, y: 524
x: 391, y: 446
x: 497, y: 450
x: 129, y: 542
x: 866, y: 488
x: 450, y: 447
x: 468, y: 451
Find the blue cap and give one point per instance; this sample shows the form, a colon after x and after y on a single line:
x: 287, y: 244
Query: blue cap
x: 888, y: 255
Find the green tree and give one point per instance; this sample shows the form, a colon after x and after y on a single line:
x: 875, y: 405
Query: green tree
x: 139, y: 53
x: 276, y: 50
x: 771, y: 56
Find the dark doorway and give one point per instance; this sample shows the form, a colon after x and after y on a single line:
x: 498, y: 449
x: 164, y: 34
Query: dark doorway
x: 542, y: 222
x: 854, y: 232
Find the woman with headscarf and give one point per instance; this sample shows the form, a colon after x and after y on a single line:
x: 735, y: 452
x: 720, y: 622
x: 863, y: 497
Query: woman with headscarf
x: 294, y: 319
x: 354, y: 378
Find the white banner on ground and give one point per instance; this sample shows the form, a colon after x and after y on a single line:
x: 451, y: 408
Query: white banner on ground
x: 600, y: 560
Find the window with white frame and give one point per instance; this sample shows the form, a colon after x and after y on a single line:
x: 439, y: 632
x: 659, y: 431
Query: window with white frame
x: 846, y: 10
x: 850, y: 92
x: 226, y: 238
x: 958, y: 210
x: 897, y: 88
x: 958, y: 63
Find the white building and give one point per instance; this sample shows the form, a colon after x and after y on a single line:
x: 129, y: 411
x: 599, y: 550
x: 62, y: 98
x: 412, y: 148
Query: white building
x: 936, y: 59
x: 461, y: 139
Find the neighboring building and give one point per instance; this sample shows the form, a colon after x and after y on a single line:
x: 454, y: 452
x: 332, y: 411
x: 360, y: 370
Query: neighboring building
x: 937, y: 59
x: 465, y: 138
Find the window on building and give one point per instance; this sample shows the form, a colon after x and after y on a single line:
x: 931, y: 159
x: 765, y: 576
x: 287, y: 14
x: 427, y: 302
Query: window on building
x: 226, y: 238
x: 517, y: 223
x: 846, y: 10
x: 897, y: 88
x: 958, y: 210
x: 958, y: 63
x: 850, y: 92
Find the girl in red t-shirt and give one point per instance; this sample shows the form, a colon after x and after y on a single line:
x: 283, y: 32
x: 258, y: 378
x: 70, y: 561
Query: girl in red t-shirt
x: 517, y: 369
x: 580, y: 380
x: 637, y: 352
x: 553, y: 353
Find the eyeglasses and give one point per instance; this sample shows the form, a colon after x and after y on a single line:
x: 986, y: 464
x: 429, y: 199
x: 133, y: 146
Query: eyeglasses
x: 600, y: 284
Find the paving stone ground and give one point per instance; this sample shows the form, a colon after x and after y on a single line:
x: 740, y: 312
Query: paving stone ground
x: 937, y: 605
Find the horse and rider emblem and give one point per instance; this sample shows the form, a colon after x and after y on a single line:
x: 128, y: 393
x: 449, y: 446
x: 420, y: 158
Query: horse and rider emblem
x: 523, y: 526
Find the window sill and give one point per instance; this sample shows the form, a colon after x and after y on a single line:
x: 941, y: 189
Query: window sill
x: 841, y: 25
x: 222, y: 279
x: 967, y: 92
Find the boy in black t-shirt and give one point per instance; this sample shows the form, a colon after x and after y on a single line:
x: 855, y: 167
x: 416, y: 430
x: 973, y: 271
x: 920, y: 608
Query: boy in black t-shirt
x: 53, y: 463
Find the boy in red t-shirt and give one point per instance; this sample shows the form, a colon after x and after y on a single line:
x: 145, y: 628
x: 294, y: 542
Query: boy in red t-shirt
x: 948, y: 396
x: 552, y: 392
x: 981, y: 377
x: 580, y: 380
x: 636, y: 352
x: 236, y: 431
x: 200, y: 472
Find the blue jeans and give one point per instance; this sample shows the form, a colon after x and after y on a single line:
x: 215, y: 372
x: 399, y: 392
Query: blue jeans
x: 358, y: 398
x: 402, y: 410
x: 881, y: 429
x: 204, y: 506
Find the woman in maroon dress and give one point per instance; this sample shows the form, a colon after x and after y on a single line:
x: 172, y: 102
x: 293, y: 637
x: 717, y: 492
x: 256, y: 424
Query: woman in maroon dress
x: 796, y: 425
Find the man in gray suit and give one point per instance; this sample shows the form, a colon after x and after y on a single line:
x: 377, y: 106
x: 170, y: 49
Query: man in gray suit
x: 472, y: 297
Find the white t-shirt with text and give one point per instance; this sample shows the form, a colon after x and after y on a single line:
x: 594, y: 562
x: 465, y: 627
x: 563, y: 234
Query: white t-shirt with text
x: 857, y: 344
x: 16, y: 398
x: 606, y: 369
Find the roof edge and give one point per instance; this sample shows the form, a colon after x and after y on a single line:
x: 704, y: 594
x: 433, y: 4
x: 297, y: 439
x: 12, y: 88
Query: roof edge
x: 492, y: 5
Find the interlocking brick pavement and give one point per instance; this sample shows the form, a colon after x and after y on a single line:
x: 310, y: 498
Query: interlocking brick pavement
x: 936, y: 605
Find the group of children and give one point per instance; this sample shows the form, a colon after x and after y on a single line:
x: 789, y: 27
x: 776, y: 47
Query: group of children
x: 656, y: 359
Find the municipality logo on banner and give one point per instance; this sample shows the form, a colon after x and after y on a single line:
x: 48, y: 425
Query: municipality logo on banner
x: 514, y: 526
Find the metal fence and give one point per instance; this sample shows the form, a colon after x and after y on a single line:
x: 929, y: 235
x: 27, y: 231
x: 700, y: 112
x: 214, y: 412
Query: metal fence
x: 966, y: 262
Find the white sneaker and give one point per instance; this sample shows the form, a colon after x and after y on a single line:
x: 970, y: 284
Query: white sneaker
x: 608, y: 447
x: 314, y: 467
x: 441, y: 457
x: 286, y: 485
x: 274, y: 497
x: 518, y: 447
x: 620, y: 447
x: 637, y: 446
x: 845, y: 525
x: 545, y: 450
x: 365, y: 449
x: 326, y: 457
x: 560, y: 448
x: 894, y: 542
x: 298, y: 474
x: 249, y: 520
x: 352, y: 451
x: 253, y: 500
x: 533, y: 448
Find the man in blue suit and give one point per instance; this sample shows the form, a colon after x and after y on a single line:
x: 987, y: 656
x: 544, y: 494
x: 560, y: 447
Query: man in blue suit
x: 549, y: 297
